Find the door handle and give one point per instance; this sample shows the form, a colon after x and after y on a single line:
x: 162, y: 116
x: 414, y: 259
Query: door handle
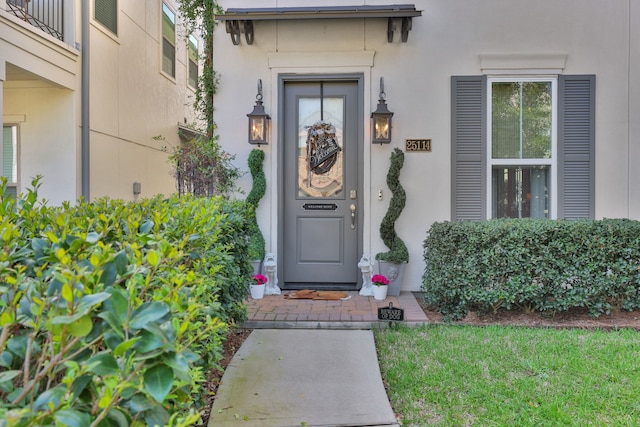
x: 353, y: 208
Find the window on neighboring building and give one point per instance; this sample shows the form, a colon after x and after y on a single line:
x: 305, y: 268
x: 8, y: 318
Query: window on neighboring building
x: 10, y: 158
x: 168, y: 41
x: 193, y: 61
x: 106, y: 13
x: 523, y: 147
x: 521, y: 161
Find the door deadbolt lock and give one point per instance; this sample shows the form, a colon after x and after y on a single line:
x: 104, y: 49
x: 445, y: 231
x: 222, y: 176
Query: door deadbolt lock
x: 353, y: 194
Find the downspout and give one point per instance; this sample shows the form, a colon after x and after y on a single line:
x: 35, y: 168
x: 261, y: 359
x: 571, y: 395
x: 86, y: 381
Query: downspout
x: 84, y: 89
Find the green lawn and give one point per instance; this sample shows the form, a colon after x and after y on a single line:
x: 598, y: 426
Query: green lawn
x: 501, y: 376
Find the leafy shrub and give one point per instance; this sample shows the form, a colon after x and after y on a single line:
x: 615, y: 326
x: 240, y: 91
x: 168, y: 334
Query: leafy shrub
x: 110, y: 312
x: 202, y: 168
x: 542, y: 265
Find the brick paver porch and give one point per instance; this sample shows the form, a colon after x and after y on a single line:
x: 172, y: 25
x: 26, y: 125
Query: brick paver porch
x: 358, y: 312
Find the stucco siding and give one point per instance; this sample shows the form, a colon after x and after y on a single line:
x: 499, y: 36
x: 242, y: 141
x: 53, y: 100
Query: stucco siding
x: 47, y: 138
x: 135, y: 107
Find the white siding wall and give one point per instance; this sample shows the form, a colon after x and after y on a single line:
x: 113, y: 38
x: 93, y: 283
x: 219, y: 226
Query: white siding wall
x: 132, y: 102
x: 40, y: 75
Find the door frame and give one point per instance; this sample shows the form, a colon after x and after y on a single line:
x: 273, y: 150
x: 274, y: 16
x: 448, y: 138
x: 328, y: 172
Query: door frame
x: 358, y: 79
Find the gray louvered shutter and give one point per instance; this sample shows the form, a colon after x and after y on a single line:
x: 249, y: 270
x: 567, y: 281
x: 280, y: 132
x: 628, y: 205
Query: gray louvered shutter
x: 576, y: 147
x: 106, y: 12
x: 468, y: 147
x: 8, y: 154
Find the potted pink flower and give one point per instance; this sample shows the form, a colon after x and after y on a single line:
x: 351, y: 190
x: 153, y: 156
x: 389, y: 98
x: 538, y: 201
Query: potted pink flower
x: 257, y: 286
x: 380, y: 286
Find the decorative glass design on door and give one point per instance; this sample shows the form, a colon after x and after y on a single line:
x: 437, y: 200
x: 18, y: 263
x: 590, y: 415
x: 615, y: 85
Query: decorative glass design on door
x: 320, y: 163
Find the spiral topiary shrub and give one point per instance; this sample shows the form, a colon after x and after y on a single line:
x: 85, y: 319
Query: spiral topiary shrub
x: 258, y: 190
x: 398, y: 252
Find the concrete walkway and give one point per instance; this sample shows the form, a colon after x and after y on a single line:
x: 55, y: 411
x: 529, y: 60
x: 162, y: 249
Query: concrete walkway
x: 309, y: 363
x: 300, y: 377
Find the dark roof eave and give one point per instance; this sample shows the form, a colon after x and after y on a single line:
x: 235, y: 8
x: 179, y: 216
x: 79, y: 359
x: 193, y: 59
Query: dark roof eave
x: 239, y: 21
x: 321, y: 12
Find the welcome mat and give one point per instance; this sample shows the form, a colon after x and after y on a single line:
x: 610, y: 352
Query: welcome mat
x: 318, y: 295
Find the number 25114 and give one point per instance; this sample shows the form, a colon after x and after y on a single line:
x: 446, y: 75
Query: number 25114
x: 417, y: 145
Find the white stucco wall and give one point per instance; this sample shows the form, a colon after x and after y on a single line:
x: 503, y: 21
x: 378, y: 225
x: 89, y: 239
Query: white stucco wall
x: 47, y: 138
x: 135, y: 108
x: 40, y: 100
x: 592, y: 37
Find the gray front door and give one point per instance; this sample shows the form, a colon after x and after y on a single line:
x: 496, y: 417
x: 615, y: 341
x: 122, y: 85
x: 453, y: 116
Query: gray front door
x: 322, y: 210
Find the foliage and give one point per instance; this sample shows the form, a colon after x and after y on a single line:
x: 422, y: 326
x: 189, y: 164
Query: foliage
x: 111, y: 312
x: 510, y: 376
x: 197, y: 16
x: 203, y: 168
x: 543, y: 265
x: 398, y: 252
x: 258, y: 190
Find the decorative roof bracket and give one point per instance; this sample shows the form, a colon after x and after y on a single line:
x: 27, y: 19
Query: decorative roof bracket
x: 235, y: 28
x: 406, y: 27
x: 238, y: 21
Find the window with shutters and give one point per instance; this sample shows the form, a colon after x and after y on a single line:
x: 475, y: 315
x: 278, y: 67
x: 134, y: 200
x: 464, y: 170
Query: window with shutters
x: 168, y: 41
x: 193, y: 61
x: 106, y: 13
x: 523, y: 148
x: 10, y: 158
x: 521, y: 164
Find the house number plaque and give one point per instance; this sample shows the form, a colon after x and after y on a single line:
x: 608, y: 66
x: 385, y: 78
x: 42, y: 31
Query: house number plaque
x: 417, y: 144
x: 391, y: 313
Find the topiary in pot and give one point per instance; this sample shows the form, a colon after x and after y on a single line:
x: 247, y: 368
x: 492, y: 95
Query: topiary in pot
x: 256, y: 249
x: 398, y: 253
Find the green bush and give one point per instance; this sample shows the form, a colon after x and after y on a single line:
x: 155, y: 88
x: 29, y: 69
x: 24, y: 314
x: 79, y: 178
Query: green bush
x: 112, y: 312
x: 202, y: 168
x: 541, y: 265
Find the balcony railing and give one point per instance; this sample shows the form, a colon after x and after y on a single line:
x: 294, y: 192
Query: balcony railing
x: 47, y: 15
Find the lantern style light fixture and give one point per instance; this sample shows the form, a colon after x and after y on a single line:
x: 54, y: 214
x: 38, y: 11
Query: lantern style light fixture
x: 381, y: 119
x: 259, y: 121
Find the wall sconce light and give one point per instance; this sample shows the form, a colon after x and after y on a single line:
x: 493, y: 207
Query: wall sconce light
x: 259, y: 121
x: 381, y: 119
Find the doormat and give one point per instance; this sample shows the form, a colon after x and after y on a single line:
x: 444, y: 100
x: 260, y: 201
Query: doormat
x: 318, y: 295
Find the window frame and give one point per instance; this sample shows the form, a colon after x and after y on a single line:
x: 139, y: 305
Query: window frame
x: 112, y: 31
x: 173, y: 42
x: 576, y: 198
x: 552, y: 162
x: 189, y: 61
x: 16, y: 155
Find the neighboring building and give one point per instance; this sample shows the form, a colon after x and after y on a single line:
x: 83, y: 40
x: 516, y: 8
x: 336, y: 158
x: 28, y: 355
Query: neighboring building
x: 532, y: 109
x: 139, y: 87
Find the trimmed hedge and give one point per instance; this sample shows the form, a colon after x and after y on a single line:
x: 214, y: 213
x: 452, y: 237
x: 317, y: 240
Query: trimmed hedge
x: 541, y: 265
x: 112, y: 313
